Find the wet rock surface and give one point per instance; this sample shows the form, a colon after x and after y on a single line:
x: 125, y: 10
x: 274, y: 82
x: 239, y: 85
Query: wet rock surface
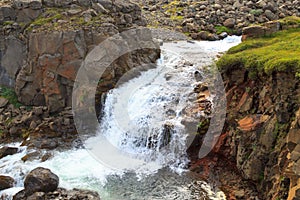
x: 6, y: 182
x: 40, y: 180
x: 6, y: 151
x: 41, y: 183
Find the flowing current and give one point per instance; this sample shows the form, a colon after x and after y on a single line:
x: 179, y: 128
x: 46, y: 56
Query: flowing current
x: 142, y: 119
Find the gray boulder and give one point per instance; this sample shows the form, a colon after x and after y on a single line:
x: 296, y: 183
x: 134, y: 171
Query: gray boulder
x: 40, y: 180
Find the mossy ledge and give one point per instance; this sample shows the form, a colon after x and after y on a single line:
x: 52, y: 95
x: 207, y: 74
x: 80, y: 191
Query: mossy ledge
x: 279, y: 52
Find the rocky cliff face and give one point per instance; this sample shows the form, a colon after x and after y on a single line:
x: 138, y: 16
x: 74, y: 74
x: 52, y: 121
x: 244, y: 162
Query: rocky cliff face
x: 262, y: 131
x: 257, y: 155
x: 43, y: 44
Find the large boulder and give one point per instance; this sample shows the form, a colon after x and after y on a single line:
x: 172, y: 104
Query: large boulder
x: 6, y: 182
x: 253, y: 32
x: 6, y: 151
x: 40, y: 180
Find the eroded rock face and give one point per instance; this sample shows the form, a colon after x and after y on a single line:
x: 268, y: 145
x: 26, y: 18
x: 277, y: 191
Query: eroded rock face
x: 293, y: 169
x: 53, y: 62
x: 54, y: 59
x: 263, y: 132
x: 13, y: 57
x: 42, y: 65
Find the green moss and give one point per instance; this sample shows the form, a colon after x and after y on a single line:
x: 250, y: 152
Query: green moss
x: 173, y: 3
x: 256, y: 12
x: 42, y: 21
x: 173, y: 8
x: 203, y: 126
x: 176, y: 18
x: 8, y: 23
x: 221, y: 29
x: 261, y: 177
x: 291, y: 20
x: 25, y: 133
x: 10, y: 95
x: 278, y: 52
x: 48, y: 20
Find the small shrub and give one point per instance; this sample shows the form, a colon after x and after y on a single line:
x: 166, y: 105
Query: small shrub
x: 256, y: 12
x: 10, y: 95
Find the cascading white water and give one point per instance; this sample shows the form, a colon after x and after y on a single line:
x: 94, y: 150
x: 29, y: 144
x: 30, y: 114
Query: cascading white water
x: 142, y: 118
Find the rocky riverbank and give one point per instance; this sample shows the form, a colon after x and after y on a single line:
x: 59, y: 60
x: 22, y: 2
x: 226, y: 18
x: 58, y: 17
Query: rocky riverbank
x: 209, y: 19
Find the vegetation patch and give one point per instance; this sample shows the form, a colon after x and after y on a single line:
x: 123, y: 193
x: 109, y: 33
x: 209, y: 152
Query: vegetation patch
x: 278, y: 52
x: 256, y: 12
x: 56, y: 19
x: 221, y: 29
x: 10, y: 95
x: 290, y: 21
x: 173, y: 8
x: 49, y: 16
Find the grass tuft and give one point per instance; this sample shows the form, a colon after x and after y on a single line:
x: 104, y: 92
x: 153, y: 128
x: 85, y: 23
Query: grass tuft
x: 10, y: 95
x: 221, y: 29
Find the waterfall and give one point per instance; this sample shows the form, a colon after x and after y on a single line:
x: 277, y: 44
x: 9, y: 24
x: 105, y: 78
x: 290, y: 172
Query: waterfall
x: 143, y: 120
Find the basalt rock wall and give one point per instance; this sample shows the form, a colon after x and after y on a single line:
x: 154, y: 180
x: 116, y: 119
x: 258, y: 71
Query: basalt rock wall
x: 44, y: 43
